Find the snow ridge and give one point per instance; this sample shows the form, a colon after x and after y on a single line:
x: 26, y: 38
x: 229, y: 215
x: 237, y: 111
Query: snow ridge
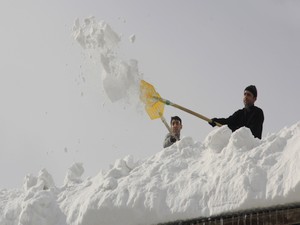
x: 224, y: 173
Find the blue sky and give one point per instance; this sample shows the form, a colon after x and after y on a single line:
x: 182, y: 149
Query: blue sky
x: 199, y: 54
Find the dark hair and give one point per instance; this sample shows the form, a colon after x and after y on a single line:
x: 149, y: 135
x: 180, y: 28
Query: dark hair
x: 176, y: 118
x: 252, y: 89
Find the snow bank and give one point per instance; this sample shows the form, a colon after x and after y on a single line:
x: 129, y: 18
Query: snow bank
x: 227, y: 172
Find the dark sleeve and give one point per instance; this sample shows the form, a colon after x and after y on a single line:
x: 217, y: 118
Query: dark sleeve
x: 231, y: 121
x: 169, y: 140
x: 256, y: 125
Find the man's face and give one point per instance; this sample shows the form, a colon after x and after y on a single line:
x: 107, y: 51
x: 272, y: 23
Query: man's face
x: 176, y: 126
x: 249, y: 98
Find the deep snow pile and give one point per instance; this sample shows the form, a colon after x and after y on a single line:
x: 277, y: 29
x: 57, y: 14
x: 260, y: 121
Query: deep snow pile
x: 227, y: 172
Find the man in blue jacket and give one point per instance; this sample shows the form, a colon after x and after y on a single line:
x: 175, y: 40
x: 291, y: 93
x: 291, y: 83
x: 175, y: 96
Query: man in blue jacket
x: 250, y: 116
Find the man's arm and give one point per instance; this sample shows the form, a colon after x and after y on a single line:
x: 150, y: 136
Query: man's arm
x: 231, y: 121
x: 256, y: 125
x: 169, y: 140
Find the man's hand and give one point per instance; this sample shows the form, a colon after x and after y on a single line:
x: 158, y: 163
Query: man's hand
x: 172, y: 139
x: 213, y: 122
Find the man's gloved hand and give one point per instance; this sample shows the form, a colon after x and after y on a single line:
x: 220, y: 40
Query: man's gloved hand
x: 172, y: 139
x: 213, y: 122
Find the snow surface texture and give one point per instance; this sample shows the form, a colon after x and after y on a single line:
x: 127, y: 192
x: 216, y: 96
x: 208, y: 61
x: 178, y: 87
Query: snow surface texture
x: 227, y: 172
x: 120, y: 79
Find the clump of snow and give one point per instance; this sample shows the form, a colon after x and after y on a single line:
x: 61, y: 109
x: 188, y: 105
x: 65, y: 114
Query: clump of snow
x: 35, y: 204
x: 74, y: 174
x: 120, y: 78
x: 44, y: 181
x: 217, y: 140
x: 132, y: 38
x: 227, y: 172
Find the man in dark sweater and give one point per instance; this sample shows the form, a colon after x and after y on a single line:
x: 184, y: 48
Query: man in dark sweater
x: 176, y: 126
x: 250, y: 116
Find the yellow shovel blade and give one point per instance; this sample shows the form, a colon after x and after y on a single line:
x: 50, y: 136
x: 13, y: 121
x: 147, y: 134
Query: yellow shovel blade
x: 148, y: 95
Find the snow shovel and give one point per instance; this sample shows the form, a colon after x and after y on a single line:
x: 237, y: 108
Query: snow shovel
x: 154, y: 104
x: 154, y: 108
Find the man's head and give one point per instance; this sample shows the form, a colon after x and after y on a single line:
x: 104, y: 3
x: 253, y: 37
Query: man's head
x: 176, y: 125
x: 250, y: 95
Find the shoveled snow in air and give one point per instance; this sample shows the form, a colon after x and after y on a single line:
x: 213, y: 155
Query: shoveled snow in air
x: 132, y: 38
x: 120, y: 78
x: 226, y: 172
